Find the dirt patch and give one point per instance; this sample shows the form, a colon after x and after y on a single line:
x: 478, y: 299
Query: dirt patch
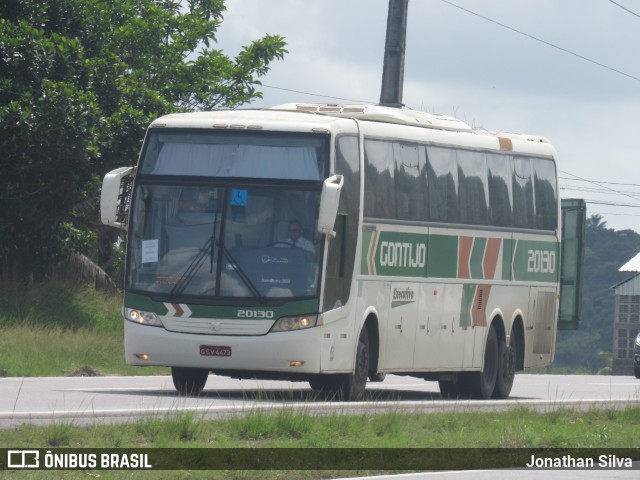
x: 84, y: 371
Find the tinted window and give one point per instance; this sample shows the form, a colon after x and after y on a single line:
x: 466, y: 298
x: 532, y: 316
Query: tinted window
x: 473, y: 192
x: 411, y: 181
x: 379, y: 201
x: 342, y: 249
x: 546, y: 194
x: 443, y: 185
x: 523, y: 207
x: 500, y: 189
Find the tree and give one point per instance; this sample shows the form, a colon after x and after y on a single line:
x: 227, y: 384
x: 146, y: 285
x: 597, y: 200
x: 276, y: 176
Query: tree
x: 79, y: 82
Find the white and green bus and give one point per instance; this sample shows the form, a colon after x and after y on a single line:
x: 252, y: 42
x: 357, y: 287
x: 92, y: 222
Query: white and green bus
x: 428, y: 249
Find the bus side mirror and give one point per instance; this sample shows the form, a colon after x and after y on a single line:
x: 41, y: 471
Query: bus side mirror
x: 115, y: 197
x: 329, y: 204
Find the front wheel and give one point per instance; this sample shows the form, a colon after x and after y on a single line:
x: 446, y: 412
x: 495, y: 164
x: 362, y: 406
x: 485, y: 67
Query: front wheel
x: 189, y: 381
x: 351, y: 386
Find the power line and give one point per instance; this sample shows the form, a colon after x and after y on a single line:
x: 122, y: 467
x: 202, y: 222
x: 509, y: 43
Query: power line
x: 317, y: 95
x: 600, y: 181
x: 600, y: 184
x: 612, y: 204
x: 624, y: 8
x: 597, y: 190
x: 553, y: 45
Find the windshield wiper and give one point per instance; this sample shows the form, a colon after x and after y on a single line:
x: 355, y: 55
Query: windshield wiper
x: 191, y: 270
x: 241, y: 273
x: 199, y: 259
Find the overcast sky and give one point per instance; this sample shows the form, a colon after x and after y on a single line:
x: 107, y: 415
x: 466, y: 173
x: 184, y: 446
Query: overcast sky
x: 490, y: 76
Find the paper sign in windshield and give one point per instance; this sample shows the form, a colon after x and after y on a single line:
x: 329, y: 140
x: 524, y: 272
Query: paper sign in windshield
x: 150, y: 251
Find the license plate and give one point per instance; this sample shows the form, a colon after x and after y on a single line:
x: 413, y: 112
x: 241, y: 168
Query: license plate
x: 215, y: 351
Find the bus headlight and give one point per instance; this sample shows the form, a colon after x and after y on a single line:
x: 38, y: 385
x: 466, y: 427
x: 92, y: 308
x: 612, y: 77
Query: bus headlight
x: 299, y: 322
x: 143, y: 318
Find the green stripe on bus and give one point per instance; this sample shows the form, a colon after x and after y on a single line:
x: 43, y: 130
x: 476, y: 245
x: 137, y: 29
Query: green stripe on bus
x: 468, y: 294
x: 477, y: 256
x: 443, y: 256
x: 507, y: 253
x: 367, y: 238
x: 536, y: 261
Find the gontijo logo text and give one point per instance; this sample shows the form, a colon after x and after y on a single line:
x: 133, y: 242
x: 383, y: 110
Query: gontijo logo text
x: 403, y: 254
x: 396, y: 253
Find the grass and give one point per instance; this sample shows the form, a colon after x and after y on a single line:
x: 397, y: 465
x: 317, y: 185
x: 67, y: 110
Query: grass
x: 57, y: 329
x: 290, y: 428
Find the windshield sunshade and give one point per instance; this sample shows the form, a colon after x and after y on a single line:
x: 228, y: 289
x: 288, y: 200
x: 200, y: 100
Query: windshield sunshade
x: 204, y: 154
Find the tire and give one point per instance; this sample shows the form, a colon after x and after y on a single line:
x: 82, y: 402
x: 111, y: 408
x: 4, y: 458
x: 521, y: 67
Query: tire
x: 449, y: 389
x: 506, y: 369
x: 636, y: 371
x: 377, y: 377
x: 189, y: 381
x: 351, y: 386
x: 324, y: 383
x: 482, y: 384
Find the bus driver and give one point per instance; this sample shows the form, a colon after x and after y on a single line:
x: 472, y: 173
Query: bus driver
x: 295, y: 238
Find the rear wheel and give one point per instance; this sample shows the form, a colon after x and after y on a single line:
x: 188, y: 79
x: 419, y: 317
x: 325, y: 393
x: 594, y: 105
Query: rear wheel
x: 449, y: 389
x: 506, y: 368
x: 636, y: 371
x: 481, y: 384
x: 189, y: 381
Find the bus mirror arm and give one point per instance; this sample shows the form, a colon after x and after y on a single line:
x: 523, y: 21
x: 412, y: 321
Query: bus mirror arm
x: 329, y: 201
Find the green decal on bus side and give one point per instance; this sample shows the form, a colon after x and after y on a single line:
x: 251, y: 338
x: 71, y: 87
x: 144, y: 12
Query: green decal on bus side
x: 443, y: 256
x: 477, y: 257
x: 403, y: 296
x: 507, y: 253
x: 462, y: 257
x: 468, y: 294
x: 536, y: 261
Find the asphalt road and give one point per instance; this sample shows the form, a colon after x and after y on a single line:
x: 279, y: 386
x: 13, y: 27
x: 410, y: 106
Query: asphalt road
x: 91, y: 400
x: 87, y: 400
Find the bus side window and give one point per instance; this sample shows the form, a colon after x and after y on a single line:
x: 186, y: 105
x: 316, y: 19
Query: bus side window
x: 500, y: 190
x: 546, y: 194
x: 523, y: 207
x: 443, y: 185
x: 472, y: 169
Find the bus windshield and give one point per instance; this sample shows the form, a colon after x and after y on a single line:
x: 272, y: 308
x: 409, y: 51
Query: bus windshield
x: 224, y: 241
x: 227, y: 215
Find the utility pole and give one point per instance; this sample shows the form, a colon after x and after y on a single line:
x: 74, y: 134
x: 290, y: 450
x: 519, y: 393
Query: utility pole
x: 393, y: 67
